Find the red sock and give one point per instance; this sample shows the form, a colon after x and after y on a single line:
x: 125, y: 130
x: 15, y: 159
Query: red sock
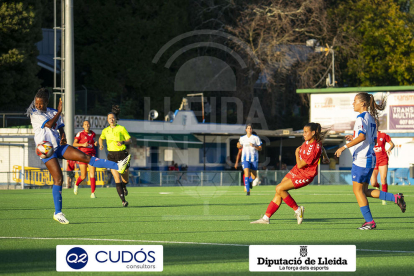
x: 271, y: 209
x: 384, y: 187
x: 79, y: 181
x: 291, y: 202
x: 93, y: 185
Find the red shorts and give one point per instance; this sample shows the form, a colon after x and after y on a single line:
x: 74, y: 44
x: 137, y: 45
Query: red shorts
x: 381, y: 161
x: 299, y: 181
x: 91, y: 153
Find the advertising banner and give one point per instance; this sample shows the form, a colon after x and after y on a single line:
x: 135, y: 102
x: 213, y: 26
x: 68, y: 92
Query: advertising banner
x: 122, y: 258
x: 335, y: 111
x: 401, y: 107
x: 302, y: 258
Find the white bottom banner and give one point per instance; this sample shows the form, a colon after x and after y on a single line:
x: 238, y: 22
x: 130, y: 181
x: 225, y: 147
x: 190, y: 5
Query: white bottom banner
x: 302, y: 258
x: 125, y: 258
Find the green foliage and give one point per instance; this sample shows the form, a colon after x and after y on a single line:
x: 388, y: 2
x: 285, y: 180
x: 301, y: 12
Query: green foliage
x: 19, y: 31
x: 115, y: 42
x: 378, y: 45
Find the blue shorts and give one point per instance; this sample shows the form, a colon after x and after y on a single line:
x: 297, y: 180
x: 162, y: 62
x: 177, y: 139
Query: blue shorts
x: 58, y: 153
x: 361, y: 175
x: 250, y: 165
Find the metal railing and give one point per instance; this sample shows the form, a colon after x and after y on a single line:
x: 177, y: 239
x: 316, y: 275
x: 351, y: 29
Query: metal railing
x: 185, y: 178
x: 14, y: 119
x: 36, y: 177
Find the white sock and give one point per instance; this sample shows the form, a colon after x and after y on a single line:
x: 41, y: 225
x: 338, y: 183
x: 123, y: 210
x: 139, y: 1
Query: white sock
x: 266, y: 217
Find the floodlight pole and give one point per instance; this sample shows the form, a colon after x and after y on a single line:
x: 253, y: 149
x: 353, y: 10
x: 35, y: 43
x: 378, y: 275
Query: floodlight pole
x: 69, y: 72
x: 331, y: 50
x: 319, y: 49
x: 86, y: 99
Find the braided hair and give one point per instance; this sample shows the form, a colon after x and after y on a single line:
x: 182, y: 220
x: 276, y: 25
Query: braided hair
x: 42, y: 93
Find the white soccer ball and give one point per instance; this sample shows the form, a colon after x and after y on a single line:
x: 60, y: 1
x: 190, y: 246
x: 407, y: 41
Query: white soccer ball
x: 44, y: 149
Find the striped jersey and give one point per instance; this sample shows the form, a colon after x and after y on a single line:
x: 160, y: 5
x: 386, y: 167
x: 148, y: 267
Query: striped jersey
x: 249, y: 153
x: 363, y: 153
x: 39, y: 119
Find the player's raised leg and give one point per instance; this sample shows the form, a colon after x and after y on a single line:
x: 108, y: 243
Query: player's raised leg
x: 76, y: 155
x: 385, y: 196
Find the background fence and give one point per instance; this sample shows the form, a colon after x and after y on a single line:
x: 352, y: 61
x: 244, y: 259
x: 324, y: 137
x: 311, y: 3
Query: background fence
x: 41, y: 178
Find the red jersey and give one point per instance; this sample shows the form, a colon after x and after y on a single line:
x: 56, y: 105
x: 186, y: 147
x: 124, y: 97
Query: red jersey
x: 71, y: 165
x: 310, y: 153
x: 84, y: 137
x: 379, y: 148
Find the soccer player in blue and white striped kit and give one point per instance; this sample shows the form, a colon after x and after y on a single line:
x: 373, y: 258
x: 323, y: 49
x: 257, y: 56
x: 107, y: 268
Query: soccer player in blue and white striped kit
x: 48, y: 126
x: 362, y: 147
x: 251, y: 145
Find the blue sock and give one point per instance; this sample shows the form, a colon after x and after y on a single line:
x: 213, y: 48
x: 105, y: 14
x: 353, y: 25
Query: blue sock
x: 247, y: 184
x: 366, y: 213
x: 103, y: 163
x: 250, y: 179
x: 387, y: 196
x: 57, y: 198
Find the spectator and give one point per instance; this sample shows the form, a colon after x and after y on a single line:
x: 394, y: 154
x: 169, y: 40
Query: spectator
x: 171, y: 167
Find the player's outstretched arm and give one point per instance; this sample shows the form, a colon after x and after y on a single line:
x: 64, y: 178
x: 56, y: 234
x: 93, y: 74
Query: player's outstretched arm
x: 359, y: 139
x: 53, y: 121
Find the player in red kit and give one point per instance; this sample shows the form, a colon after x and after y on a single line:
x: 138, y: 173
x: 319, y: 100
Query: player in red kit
x: 307, y: 158
x: 382, y: 162
x: 70, y: 171
x: 85, y: 141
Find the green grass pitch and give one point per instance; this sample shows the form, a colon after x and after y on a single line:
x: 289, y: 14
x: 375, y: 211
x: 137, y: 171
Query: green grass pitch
x: 204, y: 230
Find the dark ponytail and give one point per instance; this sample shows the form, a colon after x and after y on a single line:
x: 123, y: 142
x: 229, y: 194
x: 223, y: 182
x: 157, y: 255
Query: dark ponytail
x: 115, y: 111
x: 319, y: 135
x: 372, y: 106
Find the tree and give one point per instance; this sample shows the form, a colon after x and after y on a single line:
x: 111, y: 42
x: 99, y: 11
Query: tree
x: 19, y: 31
x: 376, y: 43
x: 115, y: 42
x: 277, y: 31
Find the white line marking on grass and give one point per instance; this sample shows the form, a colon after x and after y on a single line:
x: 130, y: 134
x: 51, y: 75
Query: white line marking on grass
x: 175, y: 242
x: 165, y: 193
x: 388, y: 251
x: 119, y: 240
